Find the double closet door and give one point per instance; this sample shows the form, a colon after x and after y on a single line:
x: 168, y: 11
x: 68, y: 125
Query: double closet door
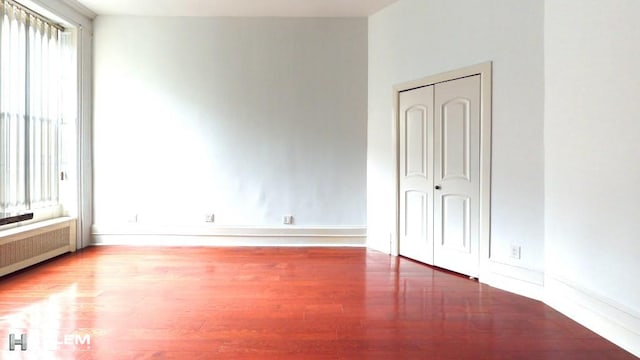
x: 439, y: 174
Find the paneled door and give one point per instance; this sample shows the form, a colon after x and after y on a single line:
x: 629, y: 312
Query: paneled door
x: 439, y: 174
x: 416, y: 174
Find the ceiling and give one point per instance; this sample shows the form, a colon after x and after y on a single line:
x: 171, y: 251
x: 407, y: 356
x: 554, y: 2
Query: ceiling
x: 277, y: 8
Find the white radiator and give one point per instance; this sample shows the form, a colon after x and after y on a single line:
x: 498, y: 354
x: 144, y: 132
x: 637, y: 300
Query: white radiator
x: 27, y: 245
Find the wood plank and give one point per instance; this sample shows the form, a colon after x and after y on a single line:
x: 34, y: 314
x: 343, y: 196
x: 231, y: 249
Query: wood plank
x: 275, y: 303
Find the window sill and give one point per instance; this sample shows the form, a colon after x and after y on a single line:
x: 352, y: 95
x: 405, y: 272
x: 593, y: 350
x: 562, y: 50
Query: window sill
x: 11, y: 218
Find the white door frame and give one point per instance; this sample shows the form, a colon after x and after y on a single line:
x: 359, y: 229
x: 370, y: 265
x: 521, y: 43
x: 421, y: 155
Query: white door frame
x: 485, y: 72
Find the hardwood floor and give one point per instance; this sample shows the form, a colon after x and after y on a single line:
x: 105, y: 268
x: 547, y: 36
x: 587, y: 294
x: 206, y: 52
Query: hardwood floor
x: 274, y: 303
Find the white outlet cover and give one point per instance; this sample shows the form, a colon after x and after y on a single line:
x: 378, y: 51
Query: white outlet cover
x: 515, y: 252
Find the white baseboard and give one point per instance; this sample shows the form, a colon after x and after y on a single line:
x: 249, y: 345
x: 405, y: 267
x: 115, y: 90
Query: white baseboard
x: 157, y: 235
x: 605, y: 317
x: 518, y: 280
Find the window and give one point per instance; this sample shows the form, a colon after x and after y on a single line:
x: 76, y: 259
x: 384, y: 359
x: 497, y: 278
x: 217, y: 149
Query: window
x: 31, y: 89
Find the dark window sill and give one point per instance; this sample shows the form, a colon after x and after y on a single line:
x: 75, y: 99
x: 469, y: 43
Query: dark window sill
x: 9, y: 218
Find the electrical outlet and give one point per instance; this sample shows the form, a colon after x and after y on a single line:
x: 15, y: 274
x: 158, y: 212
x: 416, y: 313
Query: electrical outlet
x: 515, y: 251
x: 133, y: 218
x: 287, y: 220
x: 209, y: 218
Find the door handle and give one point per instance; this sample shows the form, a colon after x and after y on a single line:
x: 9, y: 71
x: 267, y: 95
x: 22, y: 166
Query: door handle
x: 438, y: 187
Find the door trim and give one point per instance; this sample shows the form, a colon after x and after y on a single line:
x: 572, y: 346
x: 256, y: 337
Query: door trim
x: 485, y: 72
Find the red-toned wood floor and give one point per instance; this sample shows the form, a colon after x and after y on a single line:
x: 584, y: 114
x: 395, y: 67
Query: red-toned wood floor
x: 274, y: 303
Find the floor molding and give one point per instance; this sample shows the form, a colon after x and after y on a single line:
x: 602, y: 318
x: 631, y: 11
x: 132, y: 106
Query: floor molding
x: 154, y: 235
x: 518, y: 280
x: 603, y: 316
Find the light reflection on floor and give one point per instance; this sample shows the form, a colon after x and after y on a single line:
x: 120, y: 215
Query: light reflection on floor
x: 49, y: 324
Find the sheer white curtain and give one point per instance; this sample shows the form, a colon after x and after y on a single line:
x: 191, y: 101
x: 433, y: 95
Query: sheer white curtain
x: 30, y: 110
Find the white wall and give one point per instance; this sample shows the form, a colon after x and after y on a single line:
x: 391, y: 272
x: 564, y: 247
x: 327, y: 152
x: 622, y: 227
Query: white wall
x: 592, y: 160
x: 413, y: 39
x: 248, y: 118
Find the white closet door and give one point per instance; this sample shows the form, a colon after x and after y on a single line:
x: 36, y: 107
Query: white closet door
x: 439, y: 170
x: 416, y: 174
x: 457, y: 175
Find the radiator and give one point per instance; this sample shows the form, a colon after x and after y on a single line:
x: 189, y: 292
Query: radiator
x: 28, y: 245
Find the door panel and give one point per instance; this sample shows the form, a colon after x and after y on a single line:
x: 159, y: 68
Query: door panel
x: 416, y: 174
x: 415, y: 225
x: 455, y: 149
x: 455, y: 223
x: 416, y: 145
x: 457, y: 170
